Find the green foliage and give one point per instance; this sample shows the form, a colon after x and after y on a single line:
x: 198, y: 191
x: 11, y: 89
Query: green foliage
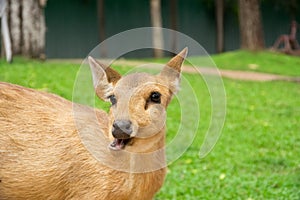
x: 257, y: 156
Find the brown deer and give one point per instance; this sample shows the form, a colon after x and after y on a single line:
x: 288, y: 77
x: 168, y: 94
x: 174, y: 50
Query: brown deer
x: 51, y: 148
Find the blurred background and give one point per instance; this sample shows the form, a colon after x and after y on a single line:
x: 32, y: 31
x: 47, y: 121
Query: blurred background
x: 72, y: 28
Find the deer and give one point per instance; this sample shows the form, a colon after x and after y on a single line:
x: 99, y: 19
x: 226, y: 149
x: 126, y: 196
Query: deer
x: 52, y: 148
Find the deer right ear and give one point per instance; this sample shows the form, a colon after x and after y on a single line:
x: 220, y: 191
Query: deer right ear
x: 104, y: 78
x: 172, y: 70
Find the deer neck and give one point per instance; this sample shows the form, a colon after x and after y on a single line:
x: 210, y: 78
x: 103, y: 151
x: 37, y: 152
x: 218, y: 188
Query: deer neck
x: 150, y: 144
x: 142, y: 156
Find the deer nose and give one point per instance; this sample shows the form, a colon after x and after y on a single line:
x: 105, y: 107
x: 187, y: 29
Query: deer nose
x: 122, y: 129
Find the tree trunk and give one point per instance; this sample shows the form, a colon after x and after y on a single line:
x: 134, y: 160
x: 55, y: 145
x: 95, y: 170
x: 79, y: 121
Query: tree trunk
x: 220, y: 25
x: 27, y: 27
x: 15, y: 26
x: 157, y: 35
x: 250, y: 25
x: 6, y: 44
x: 101, y: 25
x: 173, y: 19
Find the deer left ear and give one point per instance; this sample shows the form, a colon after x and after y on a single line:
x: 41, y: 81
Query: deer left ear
x: 104, y: 78
x: 172, y: 70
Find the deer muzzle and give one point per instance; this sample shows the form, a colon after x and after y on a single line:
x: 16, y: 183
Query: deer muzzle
x: 122, y: 129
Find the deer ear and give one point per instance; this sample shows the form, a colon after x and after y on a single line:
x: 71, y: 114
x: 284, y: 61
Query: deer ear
x: 172, y: 70
x: 104, y: 78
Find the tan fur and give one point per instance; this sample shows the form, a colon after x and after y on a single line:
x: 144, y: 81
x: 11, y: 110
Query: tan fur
x: 41, y: 150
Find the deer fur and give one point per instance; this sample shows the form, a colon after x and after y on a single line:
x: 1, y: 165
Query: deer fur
x: 42, y: 155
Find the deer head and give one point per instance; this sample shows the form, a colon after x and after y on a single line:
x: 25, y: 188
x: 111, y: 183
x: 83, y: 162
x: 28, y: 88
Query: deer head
x: 138, y: 102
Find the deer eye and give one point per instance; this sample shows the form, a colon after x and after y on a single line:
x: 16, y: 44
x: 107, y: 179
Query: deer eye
x: 112, y: 99
x: 155, y: 97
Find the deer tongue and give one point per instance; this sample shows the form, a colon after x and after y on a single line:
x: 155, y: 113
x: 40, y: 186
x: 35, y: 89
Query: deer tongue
x: 118, y: 144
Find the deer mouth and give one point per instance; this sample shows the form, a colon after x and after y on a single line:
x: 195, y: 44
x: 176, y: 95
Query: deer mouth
x: 119, y: 144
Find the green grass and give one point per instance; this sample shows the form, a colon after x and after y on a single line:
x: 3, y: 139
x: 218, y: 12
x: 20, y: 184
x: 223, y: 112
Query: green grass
x: 257, y: 156
x: 264, y: 61
x: 47, y: 76
x: 261, y: 61
x: 258, y: 153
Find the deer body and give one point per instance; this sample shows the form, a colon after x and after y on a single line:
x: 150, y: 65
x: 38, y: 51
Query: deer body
x: 42, y: 155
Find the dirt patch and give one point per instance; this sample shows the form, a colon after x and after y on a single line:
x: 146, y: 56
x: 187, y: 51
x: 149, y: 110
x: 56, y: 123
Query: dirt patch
x: 232, y: 74
x: 240, y: 75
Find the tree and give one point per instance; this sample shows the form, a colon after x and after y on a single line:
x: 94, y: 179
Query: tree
x: 219, y: 6
x: 157, y: 35
x: 250, y: 25
x: 6, y: 44
x: 27, y: 27
x: 101, y: 25
x: 173, y: 20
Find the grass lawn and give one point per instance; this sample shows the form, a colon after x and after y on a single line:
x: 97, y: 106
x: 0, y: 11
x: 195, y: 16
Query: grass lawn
x: 264, y: 61
x: 258, y: 153
x: 261, y: 61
